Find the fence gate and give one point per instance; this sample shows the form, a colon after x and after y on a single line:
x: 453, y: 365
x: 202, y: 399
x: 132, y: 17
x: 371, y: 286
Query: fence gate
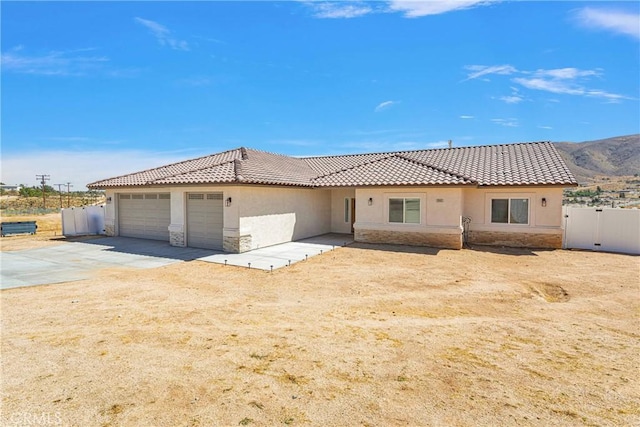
x: 83, y: 221
x: 602, y: 229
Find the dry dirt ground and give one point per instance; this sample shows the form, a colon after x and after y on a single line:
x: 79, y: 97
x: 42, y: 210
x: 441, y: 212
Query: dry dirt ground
x: 367, y: 335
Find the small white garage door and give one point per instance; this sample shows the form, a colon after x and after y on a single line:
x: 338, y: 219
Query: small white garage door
x: 204, y: 220
x: 146, y: 216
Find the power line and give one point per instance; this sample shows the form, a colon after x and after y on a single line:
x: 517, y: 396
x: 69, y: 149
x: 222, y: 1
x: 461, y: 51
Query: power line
x: 68, y: 194
x: 60, y: 193
x: 43, y: 180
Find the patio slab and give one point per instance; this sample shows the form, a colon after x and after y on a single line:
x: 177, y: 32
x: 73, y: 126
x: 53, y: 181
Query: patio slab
x: 284, y: 254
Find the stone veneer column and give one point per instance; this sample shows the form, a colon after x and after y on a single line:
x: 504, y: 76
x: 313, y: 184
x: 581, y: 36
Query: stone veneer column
x: 109, y: 228
x: 236, y: 244
x: 176, y: 235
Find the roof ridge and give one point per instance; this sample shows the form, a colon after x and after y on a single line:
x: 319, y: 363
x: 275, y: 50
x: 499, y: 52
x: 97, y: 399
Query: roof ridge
x: 169, y: 165
x: 439, y: 169
x: 192, y: 170
x: 424, y: 149
x: 368, y: 162
x: 237, y: 169
x: 248, y: 149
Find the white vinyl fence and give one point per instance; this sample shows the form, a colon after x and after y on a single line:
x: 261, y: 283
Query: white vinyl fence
x: 82, y: 221
x: 602, y: 229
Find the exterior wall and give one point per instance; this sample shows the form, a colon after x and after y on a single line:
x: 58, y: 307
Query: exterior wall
x: 271, y: 215
x: 110, y: 214
x: 545, y: 222
x: 338, y: 223
x: 262, y: 216
x: 258, y: 216
x: 440, y: 221
x: 177, y: 228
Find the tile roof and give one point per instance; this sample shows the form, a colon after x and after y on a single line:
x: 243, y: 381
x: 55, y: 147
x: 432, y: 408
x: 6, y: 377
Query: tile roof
x: 536, y: 163
x: 390, y: 170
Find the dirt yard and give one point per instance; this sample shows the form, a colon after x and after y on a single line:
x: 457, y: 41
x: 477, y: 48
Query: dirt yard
x: 365, y: 335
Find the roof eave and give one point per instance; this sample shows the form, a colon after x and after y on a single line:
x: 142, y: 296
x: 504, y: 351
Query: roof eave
x: 540, y: 184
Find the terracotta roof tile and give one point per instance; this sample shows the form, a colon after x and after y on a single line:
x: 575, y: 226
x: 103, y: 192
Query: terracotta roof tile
x: 512, y: 164
x: 390, y: 170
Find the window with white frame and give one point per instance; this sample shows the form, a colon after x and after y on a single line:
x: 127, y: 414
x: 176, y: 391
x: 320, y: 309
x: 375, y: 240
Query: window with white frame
x: 510, y: 211
x: 405, y: 210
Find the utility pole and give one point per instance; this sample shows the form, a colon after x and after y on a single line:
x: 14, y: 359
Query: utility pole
x: 69, y: 194
x: 60, y: 193
x: 43, y: 180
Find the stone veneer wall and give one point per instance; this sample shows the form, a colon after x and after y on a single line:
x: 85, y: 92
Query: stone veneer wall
x: 436, y: 240
x: 236, y: 245
x: 521, y: 240
x: 176, y: 238
x: 109, y: 230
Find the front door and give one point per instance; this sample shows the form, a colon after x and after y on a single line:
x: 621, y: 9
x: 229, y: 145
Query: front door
x: 353, y: 213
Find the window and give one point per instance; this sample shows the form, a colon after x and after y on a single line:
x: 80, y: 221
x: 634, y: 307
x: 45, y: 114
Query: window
x: 347, y: 218
x: 404, y: 210
x: 510, y: 211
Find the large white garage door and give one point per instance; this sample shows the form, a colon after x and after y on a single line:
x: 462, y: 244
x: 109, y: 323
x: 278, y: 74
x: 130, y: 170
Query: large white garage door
x: 204, y: 220
x: 146, y: 216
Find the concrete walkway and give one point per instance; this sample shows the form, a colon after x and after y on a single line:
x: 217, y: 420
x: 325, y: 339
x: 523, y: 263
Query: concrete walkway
x: 72, y: 261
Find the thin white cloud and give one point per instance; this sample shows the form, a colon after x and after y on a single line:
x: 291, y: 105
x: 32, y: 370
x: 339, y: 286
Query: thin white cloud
x: 567, y: 87
x: 567, y: 73
x: 514, y: 98
x: 408, y: 8
x: 511, y: 99
x: 415, y: 9
x: 337, y: 10
x: 384, y: 105
x: 467, y: 117
x: 53, y: 63
x: 566, y: 81
x: 163, y: 34
x: 620, y: 22
x: 545, y: 127
x: 511, y: 122
x: 483, y: 70
x: 551, y: 85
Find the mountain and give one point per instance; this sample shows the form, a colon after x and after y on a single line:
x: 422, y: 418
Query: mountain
x: 617, y: 156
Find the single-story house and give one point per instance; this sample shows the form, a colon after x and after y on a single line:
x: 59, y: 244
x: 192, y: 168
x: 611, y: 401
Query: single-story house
x: 244, y: 199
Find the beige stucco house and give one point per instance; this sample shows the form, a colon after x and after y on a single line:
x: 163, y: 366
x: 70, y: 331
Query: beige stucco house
x: 245, y: 199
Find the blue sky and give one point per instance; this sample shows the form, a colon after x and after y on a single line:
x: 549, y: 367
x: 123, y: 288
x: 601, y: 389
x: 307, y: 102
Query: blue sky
x: 97, y: 89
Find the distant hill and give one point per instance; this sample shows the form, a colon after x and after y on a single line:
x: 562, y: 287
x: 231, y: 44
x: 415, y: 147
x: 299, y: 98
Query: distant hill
x: 617, y: 156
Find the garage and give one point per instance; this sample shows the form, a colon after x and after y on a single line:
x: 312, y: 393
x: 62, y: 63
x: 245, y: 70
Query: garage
x: 145, y: 216
x: 204, y: 220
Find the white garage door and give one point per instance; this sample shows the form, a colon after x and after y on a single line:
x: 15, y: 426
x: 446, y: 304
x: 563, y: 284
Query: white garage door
x: 146, y: 216
x: 204, y: 220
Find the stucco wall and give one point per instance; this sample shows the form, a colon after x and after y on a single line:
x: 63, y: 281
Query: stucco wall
x: 440, y: 212
x: 110, y: 214
x: 545, y: 222
x: 258, y: 216
x: 272, y: 215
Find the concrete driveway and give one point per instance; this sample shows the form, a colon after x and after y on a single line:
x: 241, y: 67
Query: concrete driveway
x: 72, y: 261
